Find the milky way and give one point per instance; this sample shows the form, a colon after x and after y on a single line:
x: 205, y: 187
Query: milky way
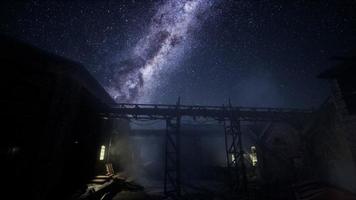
x: 170, y: 30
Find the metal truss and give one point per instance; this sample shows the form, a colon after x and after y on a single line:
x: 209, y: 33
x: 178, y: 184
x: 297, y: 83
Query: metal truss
x: 172, y: 179
x: 163, y: 111
x: 235, y: 154
x: 230, y: 116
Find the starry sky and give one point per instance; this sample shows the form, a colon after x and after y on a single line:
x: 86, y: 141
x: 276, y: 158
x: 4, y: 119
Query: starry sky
x: 257, y: 53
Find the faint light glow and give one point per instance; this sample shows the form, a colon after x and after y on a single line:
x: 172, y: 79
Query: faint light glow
x: 109, y: 169
x: 232, y: 158
x: 102, y: 152
x: 253, y: 156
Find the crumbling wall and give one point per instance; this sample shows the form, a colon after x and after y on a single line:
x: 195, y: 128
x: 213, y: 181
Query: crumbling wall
x: 278, y: 154
x: 331, y: 149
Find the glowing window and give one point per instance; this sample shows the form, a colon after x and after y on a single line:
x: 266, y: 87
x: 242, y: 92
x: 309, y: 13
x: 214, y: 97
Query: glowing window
x: 102, y: 152
x: 253, y: 156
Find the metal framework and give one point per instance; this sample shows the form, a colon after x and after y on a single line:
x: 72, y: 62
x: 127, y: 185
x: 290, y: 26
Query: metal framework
x: 230, y: 116
x: 164, y: 111
x: 235, y: 154
x: 172, y: 181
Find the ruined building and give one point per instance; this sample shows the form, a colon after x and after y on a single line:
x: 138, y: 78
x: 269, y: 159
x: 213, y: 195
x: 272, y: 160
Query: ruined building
x: 51, y: 127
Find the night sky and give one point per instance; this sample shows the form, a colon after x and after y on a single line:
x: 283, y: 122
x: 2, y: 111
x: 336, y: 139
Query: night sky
x: 258, y: 53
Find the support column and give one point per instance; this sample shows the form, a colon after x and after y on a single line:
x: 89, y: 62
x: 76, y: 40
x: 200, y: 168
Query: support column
x: 172, y: 178
x: 234, y: 152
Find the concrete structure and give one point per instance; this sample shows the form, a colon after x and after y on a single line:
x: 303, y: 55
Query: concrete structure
x: 333, y: 137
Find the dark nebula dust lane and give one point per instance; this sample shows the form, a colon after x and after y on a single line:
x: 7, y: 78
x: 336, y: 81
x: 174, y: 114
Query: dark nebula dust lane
x: 135, y: 77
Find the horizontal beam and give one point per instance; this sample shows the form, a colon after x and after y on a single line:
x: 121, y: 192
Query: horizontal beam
x: 163, y: 111
x: 188, y: 133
